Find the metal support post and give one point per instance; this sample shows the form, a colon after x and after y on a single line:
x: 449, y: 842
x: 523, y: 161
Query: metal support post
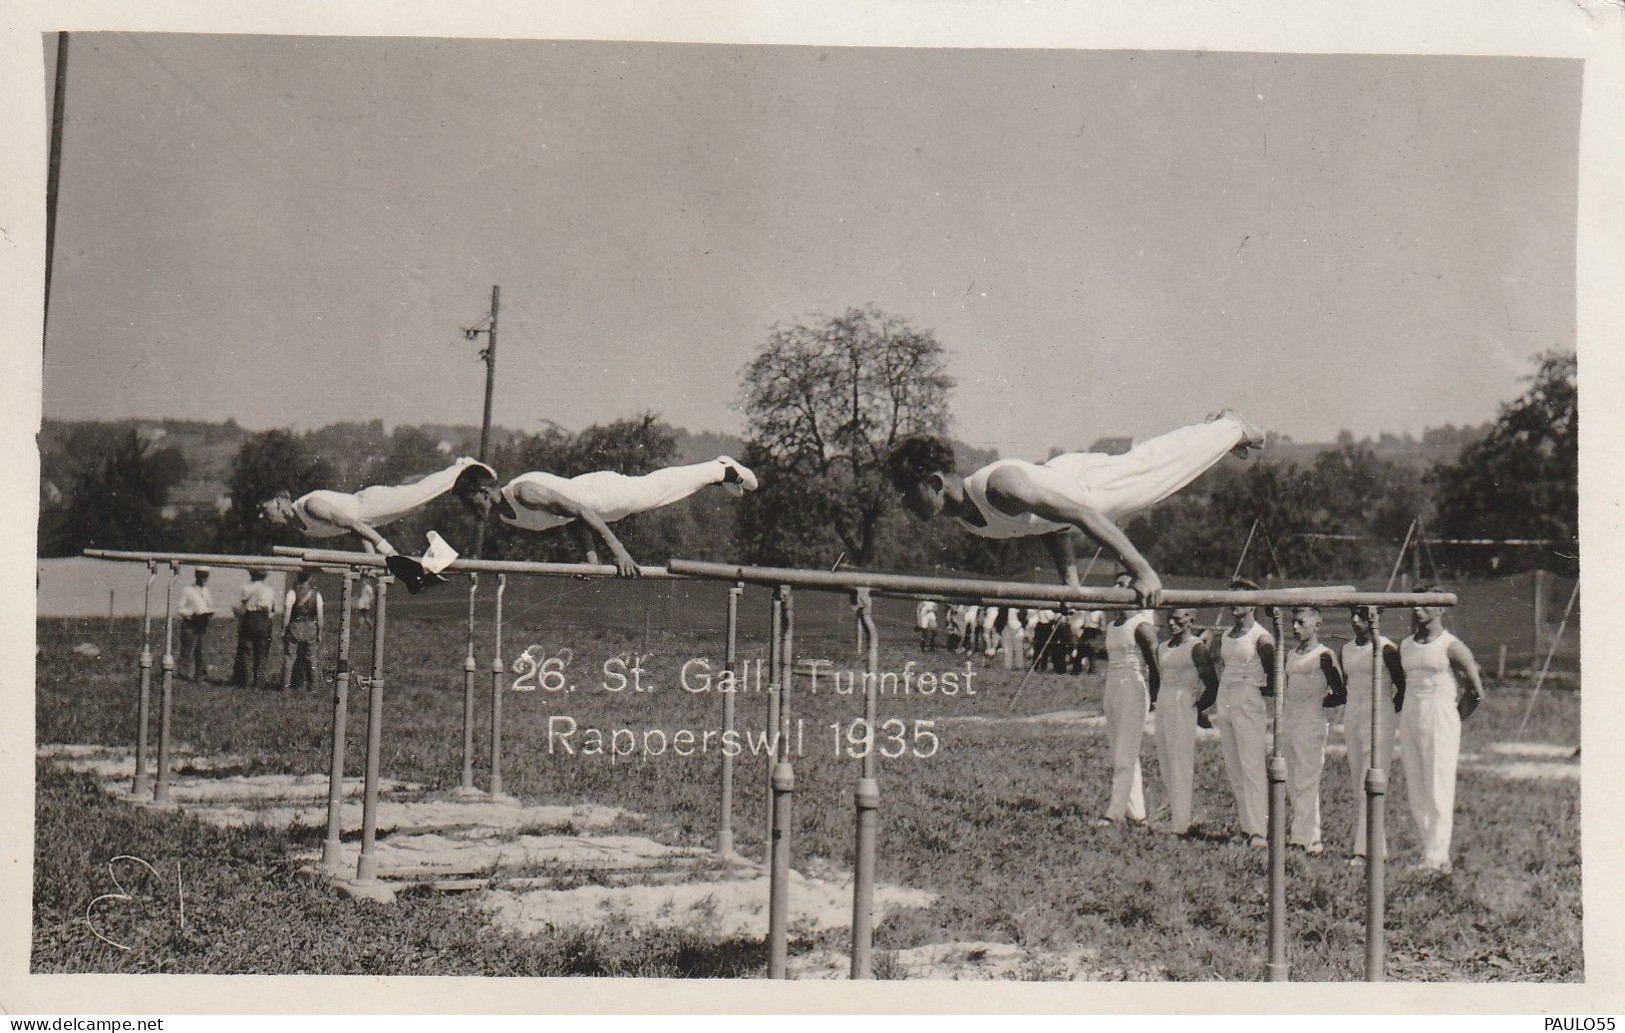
x: 1277, y: 968
x: 867, y: 800
x: 469, y: 667
x: 341, y: 721
x: 1376, y: 841
x: 496, y: 695
x: 784, y: 786
x: 142, y: 786
x: 730, y: 663
x: 160, y: 791
x: 775, y: 640
x: 366, y: 869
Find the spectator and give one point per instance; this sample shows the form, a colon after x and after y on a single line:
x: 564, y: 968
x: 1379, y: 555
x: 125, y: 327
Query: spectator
x: 956, y: 627
x: 363, y: 602
x: 195, y: 609
x: 301, y: 632
x: 253, y: 611
x: 925, y: 622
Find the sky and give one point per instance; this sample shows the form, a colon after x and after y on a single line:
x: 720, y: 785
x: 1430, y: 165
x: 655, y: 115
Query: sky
x: 291, y: 231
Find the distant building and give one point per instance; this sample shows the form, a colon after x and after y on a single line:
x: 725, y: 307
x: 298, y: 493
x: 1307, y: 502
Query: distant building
x: 190, y: 496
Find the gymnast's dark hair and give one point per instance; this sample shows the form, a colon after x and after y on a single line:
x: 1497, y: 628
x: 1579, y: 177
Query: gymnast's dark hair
x: 916, y: 458
x: 1243, y: 584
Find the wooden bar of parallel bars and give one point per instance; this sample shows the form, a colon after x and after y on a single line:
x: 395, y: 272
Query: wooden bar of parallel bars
x: 1098, y: 598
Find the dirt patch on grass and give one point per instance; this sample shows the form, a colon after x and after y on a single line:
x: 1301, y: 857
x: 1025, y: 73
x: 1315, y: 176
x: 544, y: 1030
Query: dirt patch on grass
x: 723, y: 907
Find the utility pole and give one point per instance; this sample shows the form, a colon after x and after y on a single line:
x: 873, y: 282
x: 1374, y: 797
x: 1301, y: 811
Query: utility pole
x: 488, y: 355
x: 54, y: 171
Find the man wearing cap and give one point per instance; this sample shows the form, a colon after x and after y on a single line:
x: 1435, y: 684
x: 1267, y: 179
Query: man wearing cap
x: 195, y: 609
x: 253, y: 611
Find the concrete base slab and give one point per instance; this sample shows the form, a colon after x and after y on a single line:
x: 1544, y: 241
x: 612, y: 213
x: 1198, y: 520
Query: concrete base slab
x: 373, y: 889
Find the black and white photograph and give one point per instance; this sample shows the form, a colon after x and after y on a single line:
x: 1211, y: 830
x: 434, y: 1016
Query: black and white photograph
x: 836, y: 502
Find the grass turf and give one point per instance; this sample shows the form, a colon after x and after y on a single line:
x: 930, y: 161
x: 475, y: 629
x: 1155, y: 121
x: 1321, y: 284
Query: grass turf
x: 997, y: 823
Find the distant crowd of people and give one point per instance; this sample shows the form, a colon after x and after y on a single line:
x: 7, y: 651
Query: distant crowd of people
x: 1066, y: 643
x: 1225, y: 678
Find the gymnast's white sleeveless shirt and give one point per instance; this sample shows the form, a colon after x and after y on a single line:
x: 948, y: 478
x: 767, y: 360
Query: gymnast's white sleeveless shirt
x: 1003, y: 525
x: 532, y: 519
x: 1306, y: 684
x: 1357, y: 670
x: 1122, y: 651
x: 1241, y: 666
x: 1427, y: 665
x: 1178, y: 665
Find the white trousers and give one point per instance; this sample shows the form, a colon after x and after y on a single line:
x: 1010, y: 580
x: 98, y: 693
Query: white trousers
x: 1304, y: 748
x: 1126, y: 704
x: 1176, y: 751
x: 385, y: 504
x: 1429, y: 744
x: 614, y: 496
x: 1122, y: 485
x: 1241, y: 720
x: 1357, y: 733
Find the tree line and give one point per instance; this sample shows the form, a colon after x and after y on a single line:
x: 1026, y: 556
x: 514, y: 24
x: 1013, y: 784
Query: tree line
x: 825, y: 401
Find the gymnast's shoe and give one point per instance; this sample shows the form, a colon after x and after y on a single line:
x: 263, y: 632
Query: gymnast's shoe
x: 1252, y: 436
x: 736, y: 476
x: 411, y: 573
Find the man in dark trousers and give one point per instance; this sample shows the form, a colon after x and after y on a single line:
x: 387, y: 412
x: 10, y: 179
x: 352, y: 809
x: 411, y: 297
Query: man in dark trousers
x: 254, y: 611
x: 195, y: 609
x: 301, y: 633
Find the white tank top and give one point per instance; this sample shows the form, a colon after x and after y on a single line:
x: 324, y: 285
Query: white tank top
x: 1427, y: 664
x: 1306, y: 677
x: 1240, y: 656
x: 1003, y: 525
x: 314, y: 528
x: 1178, y: 665
x: 1357, y: 668
x: 531, y: 519
x: 1122, y: 651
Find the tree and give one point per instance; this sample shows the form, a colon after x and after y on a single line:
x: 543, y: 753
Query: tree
x: 117, y: 500
x: 267, y: 463
x: 826, y: 402
x: 1521, y: 480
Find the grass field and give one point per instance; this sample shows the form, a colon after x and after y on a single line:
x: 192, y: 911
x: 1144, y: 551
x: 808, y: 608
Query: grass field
x: 996, y: 823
